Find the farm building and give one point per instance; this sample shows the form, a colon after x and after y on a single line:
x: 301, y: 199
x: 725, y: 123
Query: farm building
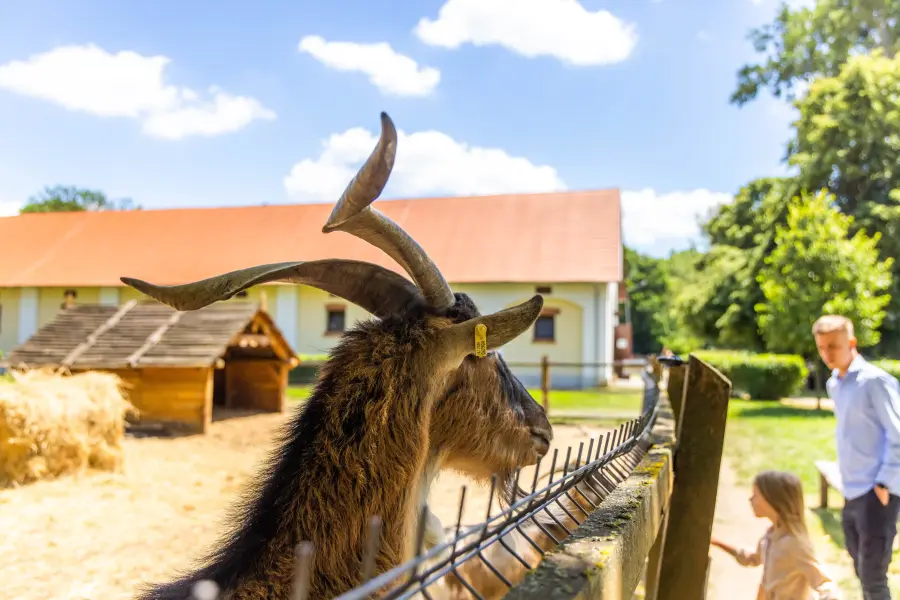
x: 498, y: 249
x: 176, y: 365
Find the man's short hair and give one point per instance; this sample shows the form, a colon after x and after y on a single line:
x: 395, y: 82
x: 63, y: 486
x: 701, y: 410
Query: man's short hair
x: 832, y: 323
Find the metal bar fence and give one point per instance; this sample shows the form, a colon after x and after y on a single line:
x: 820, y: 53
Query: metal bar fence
x: 595, y: 473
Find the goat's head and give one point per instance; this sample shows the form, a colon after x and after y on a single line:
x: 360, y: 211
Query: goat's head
x: 485, y: 420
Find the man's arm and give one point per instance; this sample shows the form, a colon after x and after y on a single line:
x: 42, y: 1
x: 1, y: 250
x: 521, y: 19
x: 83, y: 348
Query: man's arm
x: 885, y: 400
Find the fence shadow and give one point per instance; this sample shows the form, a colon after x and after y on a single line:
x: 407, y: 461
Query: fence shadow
x: 830, y: 519
x: 780, y: 410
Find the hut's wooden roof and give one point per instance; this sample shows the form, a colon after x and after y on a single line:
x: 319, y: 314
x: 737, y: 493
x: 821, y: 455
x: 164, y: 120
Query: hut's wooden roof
x: 140, y: 334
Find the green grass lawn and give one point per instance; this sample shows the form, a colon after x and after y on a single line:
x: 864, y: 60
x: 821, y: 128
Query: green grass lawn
x: 599, y: 402
x: 769, y: 435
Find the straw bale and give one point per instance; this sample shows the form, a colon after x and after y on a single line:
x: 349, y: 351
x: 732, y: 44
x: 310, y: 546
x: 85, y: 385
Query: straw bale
x: 53, y: 424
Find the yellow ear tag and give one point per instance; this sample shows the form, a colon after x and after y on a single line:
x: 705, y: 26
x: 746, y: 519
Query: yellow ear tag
x: 481, y: 340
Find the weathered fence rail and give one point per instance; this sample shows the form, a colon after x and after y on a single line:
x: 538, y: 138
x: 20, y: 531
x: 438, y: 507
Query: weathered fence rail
x: 632, y: 509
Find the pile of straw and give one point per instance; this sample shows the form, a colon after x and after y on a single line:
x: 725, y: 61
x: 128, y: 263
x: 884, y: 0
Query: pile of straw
x: 53, y: 424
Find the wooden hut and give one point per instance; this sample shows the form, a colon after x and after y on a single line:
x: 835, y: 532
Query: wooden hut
x: 177, y: 365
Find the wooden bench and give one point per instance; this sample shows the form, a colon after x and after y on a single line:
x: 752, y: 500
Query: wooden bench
x: 830, y: 476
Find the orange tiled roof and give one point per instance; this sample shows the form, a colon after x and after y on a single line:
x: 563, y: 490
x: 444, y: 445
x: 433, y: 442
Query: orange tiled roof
x: 542, y: 238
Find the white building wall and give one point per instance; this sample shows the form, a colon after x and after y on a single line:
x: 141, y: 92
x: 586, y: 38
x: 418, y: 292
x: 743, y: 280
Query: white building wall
x: 584, y: 329
x: 286, y: 311
x: 109, y: 296
x: 584, y: 324
x: 28, y: 313
x: 586, y: 340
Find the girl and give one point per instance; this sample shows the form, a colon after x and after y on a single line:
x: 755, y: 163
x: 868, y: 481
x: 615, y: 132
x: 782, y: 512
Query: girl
x: 790, y: 568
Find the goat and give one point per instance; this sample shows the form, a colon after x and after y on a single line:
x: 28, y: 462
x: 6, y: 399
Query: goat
x: 417, y: 389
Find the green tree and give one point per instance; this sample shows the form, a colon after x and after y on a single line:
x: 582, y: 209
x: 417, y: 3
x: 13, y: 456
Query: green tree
x: 72, y: 199
x: 802, y: 44
x: 816, y: 267
x: 645, y: 280
x: 682, y: 277
x: 848, y: 142
x: 653, y: 285
x: 719, y: 306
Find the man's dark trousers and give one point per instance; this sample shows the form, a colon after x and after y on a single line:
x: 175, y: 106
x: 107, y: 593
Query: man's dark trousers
x: 869, y: 530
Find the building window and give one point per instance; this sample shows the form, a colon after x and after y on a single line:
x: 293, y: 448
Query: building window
x: 623, y: 313
x: 545, y: 326
x: 335, y: 317
x: 68, y: 299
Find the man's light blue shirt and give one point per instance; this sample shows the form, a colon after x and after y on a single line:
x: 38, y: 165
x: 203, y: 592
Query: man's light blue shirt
x: 867, y: 410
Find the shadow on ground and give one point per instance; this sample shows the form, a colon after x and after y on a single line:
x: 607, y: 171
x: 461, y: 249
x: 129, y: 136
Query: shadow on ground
x: 781, y: 411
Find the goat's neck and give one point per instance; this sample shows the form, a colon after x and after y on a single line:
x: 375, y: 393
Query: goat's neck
x: 348, y: 455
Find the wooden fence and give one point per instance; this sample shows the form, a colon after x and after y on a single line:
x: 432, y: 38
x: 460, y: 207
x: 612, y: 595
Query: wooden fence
x: 654, y: 530
x: 548, y: 375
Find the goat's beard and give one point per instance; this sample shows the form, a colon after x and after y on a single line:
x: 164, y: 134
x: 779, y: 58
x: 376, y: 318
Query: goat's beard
x: 508, y: 488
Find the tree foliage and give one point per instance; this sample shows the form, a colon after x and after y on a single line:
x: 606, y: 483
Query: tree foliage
x: 848, y: 142
x: 645, y: 280
x: 654, y: 286
x: 838, y: 63
x: 719, y: 308
x: 817, y: 267
x: 803, y: 44
x: 71, y: 199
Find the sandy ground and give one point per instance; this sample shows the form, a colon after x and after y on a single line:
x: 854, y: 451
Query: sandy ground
x: 99, y: 535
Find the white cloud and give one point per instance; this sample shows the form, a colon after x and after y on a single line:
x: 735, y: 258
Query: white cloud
x: 559, y: 28
x: 9, y: 208
x: 128, y: 85
x: 657, y: 223
x: 389, y: 71
x: 427, y: 163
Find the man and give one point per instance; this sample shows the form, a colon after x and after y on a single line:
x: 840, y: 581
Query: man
x: 867, y: 410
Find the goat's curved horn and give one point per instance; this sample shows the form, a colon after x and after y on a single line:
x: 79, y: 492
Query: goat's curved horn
x: 376, y: 289
x: 353, y: 214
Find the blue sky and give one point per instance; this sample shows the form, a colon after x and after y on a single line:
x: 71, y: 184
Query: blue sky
x: 554, y: 95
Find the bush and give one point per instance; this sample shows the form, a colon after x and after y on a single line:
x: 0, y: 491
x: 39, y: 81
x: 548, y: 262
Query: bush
x: 761, y: 376
x: 891, y: 366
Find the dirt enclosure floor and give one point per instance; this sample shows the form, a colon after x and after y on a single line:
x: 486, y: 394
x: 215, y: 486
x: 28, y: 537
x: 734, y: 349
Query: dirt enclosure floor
x: 99, y: 536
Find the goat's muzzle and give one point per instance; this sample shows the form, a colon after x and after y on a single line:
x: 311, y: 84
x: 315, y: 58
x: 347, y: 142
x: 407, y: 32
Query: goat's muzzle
x: 541, y: 439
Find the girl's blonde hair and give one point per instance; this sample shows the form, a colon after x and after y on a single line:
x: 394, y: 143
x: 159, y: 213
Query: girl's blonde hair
x: 784, y: 493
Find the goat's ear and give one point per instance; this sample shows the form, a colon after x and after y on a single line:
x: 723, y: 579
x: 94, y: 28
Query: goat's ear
x: 499, y: 328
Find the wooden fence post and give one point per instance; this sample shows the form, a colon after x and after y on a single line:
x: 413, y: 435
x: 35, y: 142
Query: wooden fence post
x: 656, y: 368
x: 545, y: 382
x: 698, y: 458
x: 654, y: 561
x: 675, y: 390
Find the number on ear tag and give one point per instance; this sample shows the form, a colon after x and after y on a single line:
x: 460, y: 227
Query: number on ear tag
x: 481, y: 340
